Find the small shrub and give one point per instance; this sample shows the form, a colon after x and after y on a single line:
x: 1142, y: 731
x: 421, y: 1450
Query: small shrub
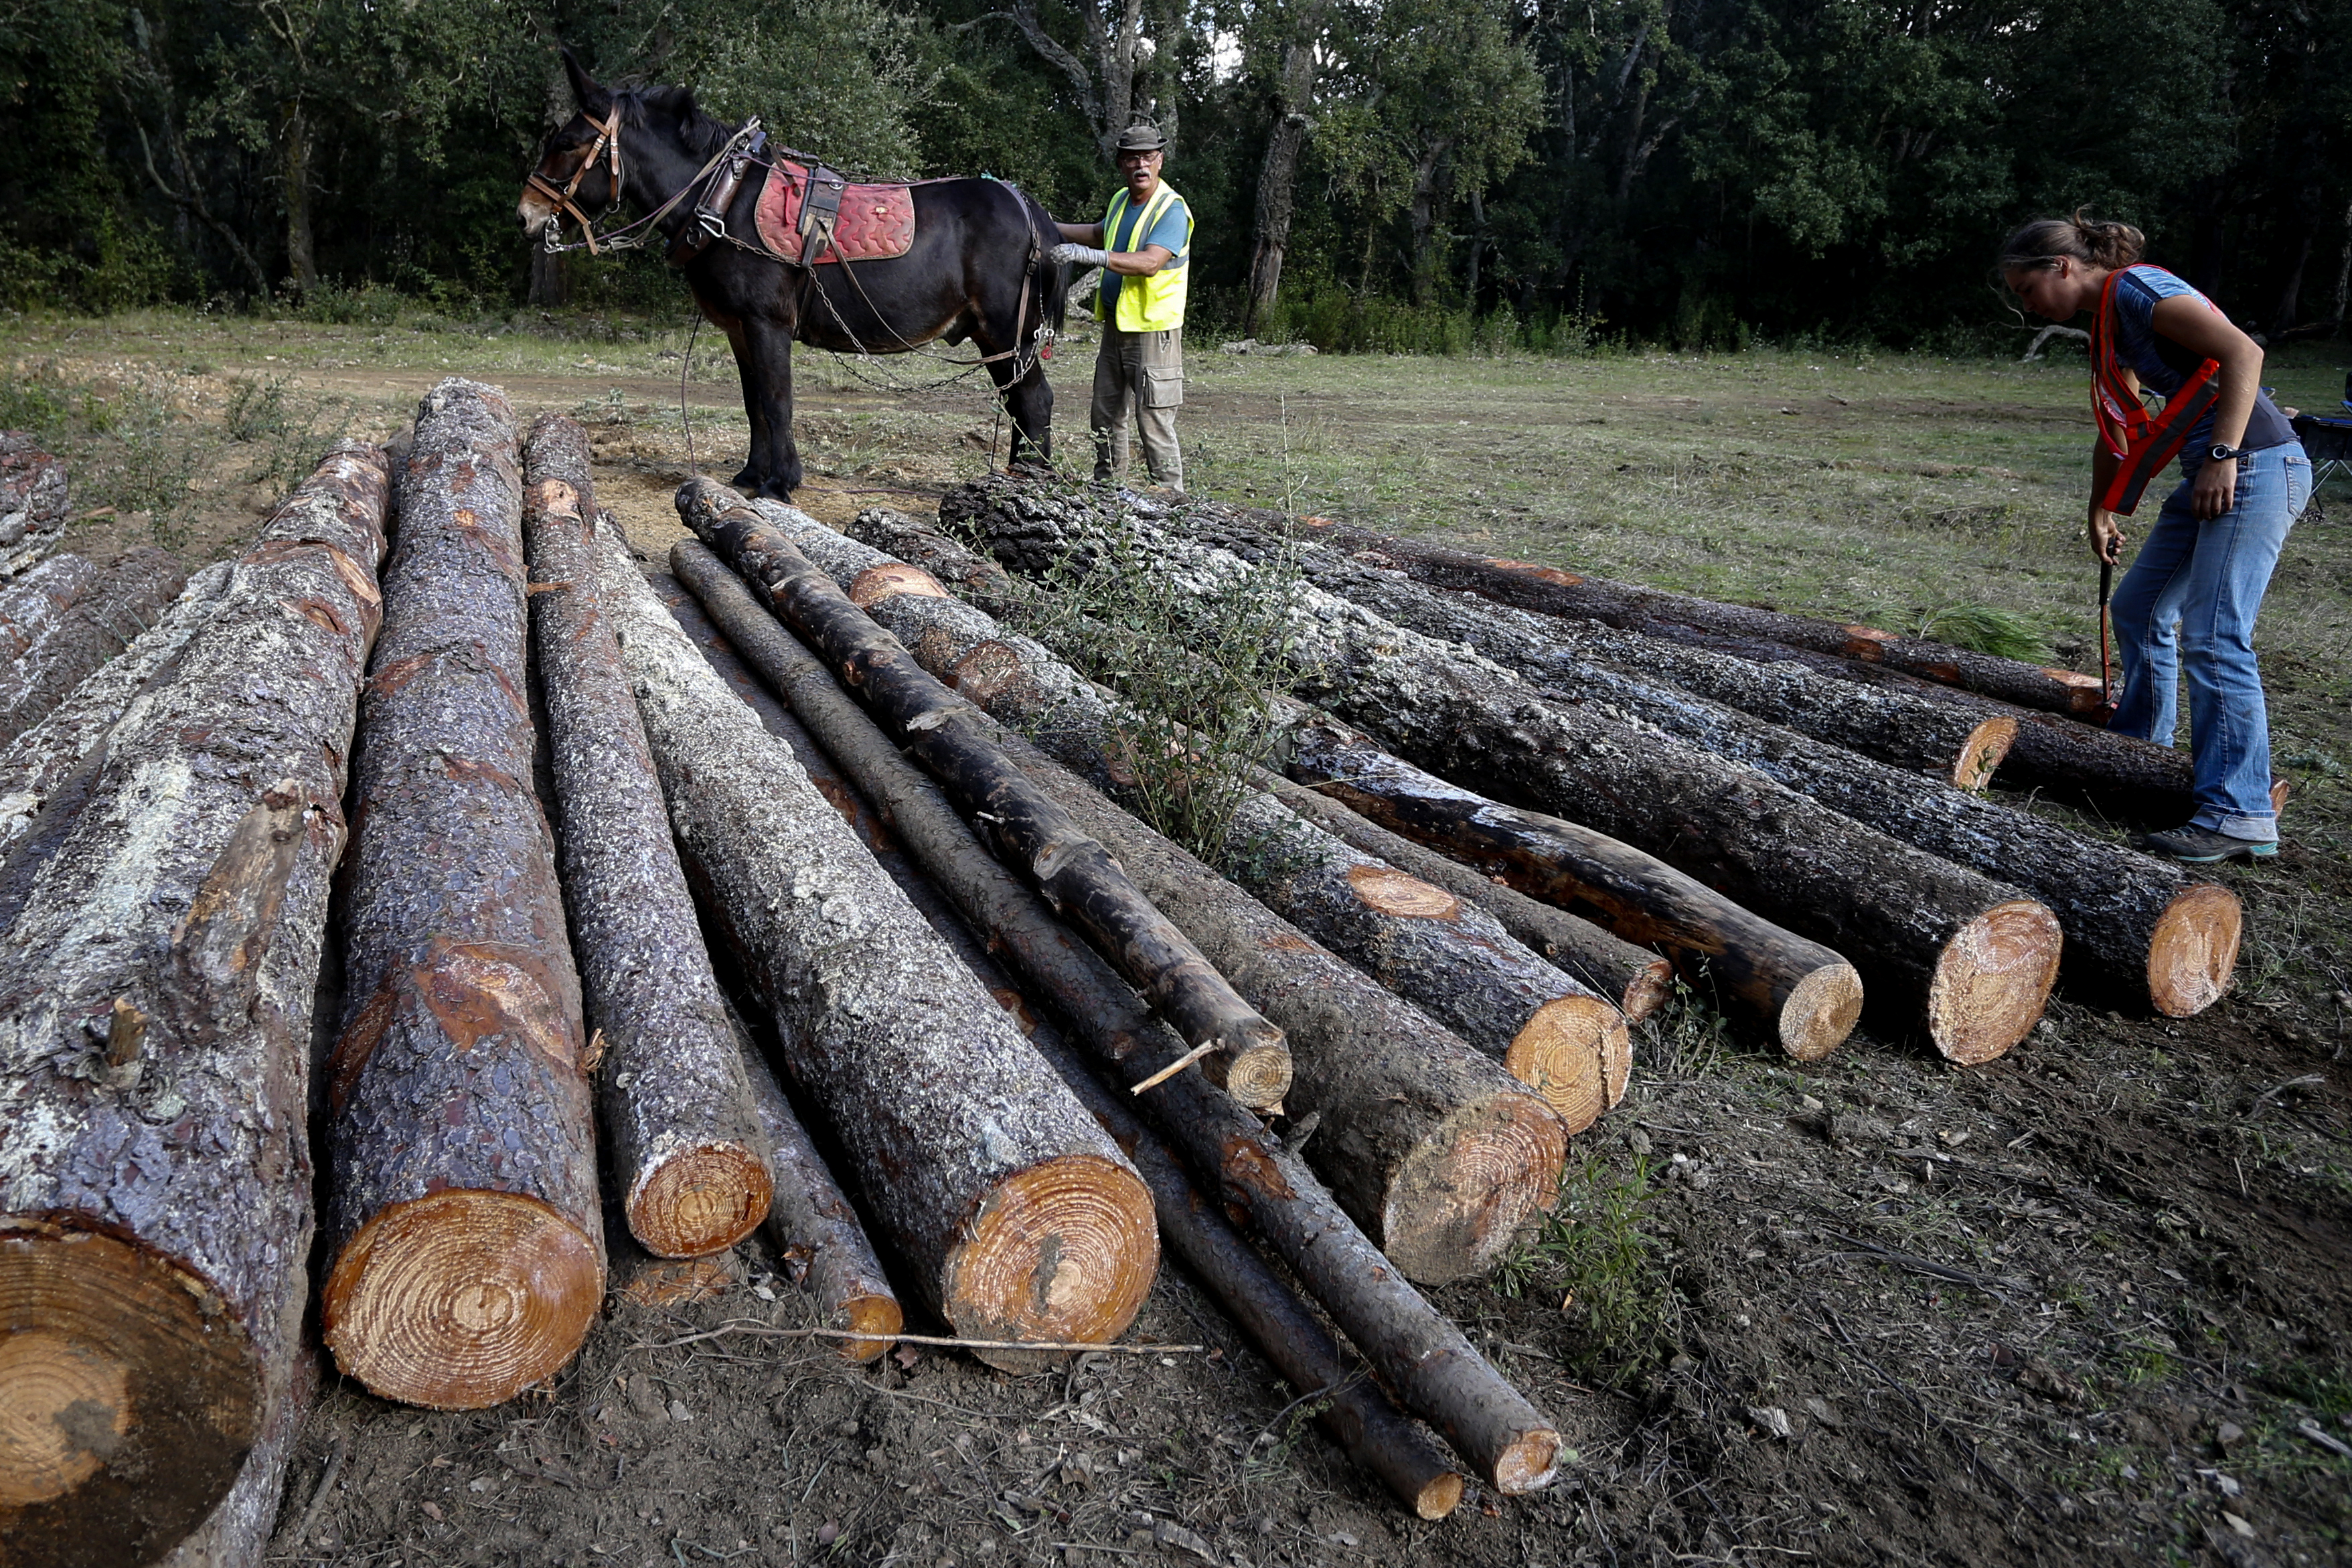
x: 1980, y: 628
x: 1592, y: 1260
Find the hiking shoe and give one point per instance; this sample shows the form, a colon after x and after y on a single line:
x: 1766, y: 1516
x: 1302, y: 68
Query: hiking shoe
x: 2194, y: 846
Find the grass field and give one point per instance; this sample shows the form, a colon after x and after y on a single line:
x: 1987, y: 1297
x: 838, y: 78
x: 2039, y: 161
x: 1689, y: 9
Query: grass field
x: 2073, y: 1305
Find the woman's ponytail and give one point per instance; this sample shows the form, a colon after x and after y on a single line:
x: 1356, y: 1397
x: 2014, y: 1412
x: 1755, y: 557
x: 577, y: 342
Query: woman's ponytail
x: 2081, y: 236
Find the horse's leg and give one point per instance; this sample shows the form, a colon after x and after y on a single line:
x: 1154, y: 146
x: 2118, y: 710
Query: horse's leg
x: 771, y: 366
x: 747, y: 371
x: 1029, y: 408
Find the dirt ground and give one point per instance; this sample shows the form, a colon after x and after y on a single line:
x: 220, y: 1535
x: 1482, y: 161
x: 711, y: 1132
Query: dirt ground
x: 2091, y: 1302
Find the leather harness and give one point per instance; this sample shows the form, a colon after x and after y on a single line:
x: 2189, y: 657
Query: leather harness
x: 608, y: 135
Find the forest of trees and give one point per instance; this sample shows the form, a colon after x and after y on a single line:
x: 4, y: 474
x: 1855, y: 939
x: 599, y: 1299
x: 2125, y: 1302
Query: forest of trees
x: 1689, y: 171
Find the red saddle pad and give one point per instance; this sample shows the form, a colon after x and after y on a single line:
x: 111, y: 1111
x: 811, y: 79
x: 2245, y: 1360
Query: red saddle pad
x: 877, y: 222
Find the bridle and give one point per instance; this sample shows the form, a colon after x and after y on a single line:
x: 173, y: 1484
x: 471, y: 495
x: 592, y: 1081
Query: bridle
x: 608, y: 135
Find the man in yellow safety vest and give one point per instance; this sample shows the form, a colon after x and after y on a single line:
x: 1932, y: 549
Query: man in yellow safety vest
x: 1143, y: 245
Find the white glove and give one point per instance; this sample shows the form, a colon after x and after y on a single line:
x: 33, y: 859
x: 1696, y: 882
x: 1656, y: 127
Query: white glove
x: 1079, y: 255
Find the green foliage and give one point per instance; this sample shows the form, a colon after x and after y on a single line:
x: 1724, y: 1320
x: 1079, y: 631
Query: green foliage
x: 1593, y: 1260
x: 1985, y: 629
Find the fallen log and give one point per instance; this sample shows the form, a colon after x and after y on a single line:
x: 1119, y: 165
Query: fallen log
x: 1555, y: 591
x: 155, y: 997
x: 129, y: 597
x: 238, y: 1532
x: 954, y: 743
x: 1407, y: 1340
x: 680, y: 1135
x: 45, y: 755
x: 1969, y: 959
x: 37, y: 600
x: 1432, y: 1148
x: 1019, y: 1218
x: 1633, y: 978
x: 1944, y: 741
x: 33, y: 503
x: 467, y: 1241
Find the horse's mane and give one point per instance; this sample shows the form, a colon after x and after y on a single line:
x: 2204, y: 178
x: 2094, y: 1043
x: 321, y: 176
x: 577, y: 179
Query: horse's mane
x: 701, y: 134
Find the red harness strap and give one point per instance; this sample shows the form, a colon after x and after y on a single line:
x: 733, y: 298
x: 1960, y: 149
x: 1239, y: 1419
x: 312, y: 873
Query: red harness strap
x: 2142, y: 443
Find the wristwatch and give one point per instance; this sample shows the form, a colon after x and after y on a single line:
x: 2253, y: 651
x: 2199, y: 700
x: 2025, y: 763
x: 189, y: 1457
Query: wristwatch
x: 2221, y: 454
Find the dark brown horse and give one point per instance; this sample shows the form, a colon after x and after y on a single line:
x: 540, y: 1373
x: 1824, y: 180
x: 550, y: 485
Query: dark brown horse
x: 976, y: 272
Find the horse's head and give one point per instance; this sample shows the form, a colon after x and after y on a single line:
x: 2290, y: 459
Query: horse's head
x: 580, y: 167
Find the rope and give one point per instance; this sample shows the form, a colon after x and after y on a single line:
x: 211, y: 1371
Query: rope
x: 684, y: 422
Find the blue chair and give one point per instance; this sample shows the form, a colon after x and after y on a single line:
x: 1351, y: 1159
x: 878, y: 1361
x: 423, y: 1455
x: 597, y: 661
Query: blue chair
x: 2328, y: 440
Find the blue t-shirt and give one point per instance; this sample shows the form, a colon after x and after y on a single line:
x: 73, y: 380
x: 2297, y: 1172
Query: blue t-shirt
x: 1174, y: 224
x: 2162, y: 365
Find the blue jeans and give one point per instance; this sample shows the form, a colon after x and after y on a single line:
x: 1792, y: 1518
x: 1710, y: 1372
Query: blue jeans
x: 2188, y: 607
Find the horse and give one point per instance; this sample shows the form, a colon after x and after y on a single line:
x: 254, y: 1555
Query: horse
x: 976, y: 270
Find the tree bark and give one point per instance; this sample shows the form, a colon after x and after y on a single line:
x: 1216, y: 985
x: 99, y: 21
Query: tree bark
x: 468, y: 1236
x: 127, y: 599
x: 680, y: 1135
x: 155, y: 995
x: 1407, y: 1341
x: 551, y: 279
x: 41, y: 759
x: 1894, y: 727
x: 1432, y: 1148
x: 39, y: 599
x: 1970, y: 959
x: 1635, y: 978
x: 948, y: 736
x: 1020, y: 1219
x: 33, y: 501
x: 1626, y: 604
x: 1277, y: 173
x: 298, y: 144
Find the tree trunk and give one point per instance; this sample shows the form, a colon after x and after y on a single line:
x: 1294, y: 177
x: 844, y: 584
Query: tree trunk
x: 1637, y: 979
x: 130, y: 597
x: 302, y: 252
x: 1278, y: 174
x: 468, y: 1240
x: 1455, y: 962
x: 1972, y: 959
x: 1407, y: 1341
x: 551, y: 277
x: 679, y: 1132
x: 2291, y: 296
x: 954, y: 744
x: 45, y: 756
x: 1626, y: 604
x: 39, y: 599
x: 1895, y: 727
x: 1433, y: 1148
x: 1422, y: 212
x: 1020, y: 1219
x: 33, y: 501
x: 155, y: 995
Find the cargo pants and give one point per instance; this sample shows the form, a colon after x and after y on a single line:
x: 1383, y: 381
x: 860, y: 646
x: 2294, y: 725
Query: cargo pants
x: 1142, y: 371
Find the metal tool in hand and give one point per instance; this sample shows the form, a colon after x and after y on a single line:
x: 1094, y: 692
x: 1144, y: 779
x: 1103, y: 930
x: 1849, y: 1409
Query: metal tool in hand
x: 2106, y: 675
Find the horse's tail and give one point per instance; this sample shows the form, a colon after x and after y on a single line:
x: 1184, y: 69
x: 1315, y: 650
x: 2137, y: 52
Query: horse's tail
x: 1055, y: 281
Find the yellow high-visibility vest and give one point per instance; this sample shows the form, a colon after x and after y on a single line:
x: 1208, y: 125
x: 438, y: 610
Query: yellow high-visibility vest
x: 1156, y: 303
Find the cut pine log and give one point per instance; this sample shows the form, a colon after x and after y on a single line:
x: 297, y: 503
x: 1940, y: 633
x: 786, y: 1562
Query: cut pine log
x: 238, y: 1532
x: 33, y: 504
x: 1019, y: 1218
x: 955, y: 745
x: 36, y: 601
x: 1432, y: 1148
x: 468, y: 1237
x: 1634, y: 980
x: 155, y: 997
x: 1950, y: 950
x: 45, y: 755
x: 1407, y: 1341
x: 680, y: 1135
x: 1555, y: 592
x: 1906, y: 731
x: 129, y: 597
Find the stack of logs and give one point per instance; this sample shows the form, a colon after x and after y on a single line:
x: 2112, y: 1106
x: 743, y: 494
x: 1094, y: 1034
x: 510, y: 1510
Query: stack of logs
x: 1514, y: 808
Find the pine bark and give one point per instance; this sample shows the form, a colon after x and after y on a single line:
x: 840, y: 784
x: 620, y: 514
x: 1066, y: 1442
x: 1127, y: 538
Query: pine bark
x: 1018, y: 1217
x: 956, y: 745
x: 1430, y: 1145
x: 467, y: 1234
x: 1627, y: 605
x: 1894, y: 727
x: 129, y: 597
x: 155, y: 998
x: 41, y: 759
x: 38, y: 599
x: 33, y: 501
x: 680, y: 1135
x: 1411, y: 1344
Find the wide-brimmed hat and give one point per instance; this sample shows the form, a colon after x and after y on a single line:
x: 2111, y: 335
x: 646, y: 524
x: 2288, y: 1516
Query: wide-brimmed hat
x: 1141, y: 138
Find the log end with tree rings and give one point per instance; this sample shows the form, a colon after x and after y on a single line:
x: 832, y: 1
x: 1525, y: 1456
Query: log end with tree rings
x: 2194, y: 949
x: 1819, y: 1011
x: 880, y: 581
x: 701, y: 1200
x: 1465, y: 1192
x: 1616, y: 1064
x: 1984, y: 751
x: 1647, y: 991
x: 1528, y: 1463
x: 1992, y: 981
x: 1563, y: 1054
x: 461, y: 1300
x: 129, y: 1394
x: 1258, y: 1074
x: 1439, y: 1498
x: 1063, y: 1251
